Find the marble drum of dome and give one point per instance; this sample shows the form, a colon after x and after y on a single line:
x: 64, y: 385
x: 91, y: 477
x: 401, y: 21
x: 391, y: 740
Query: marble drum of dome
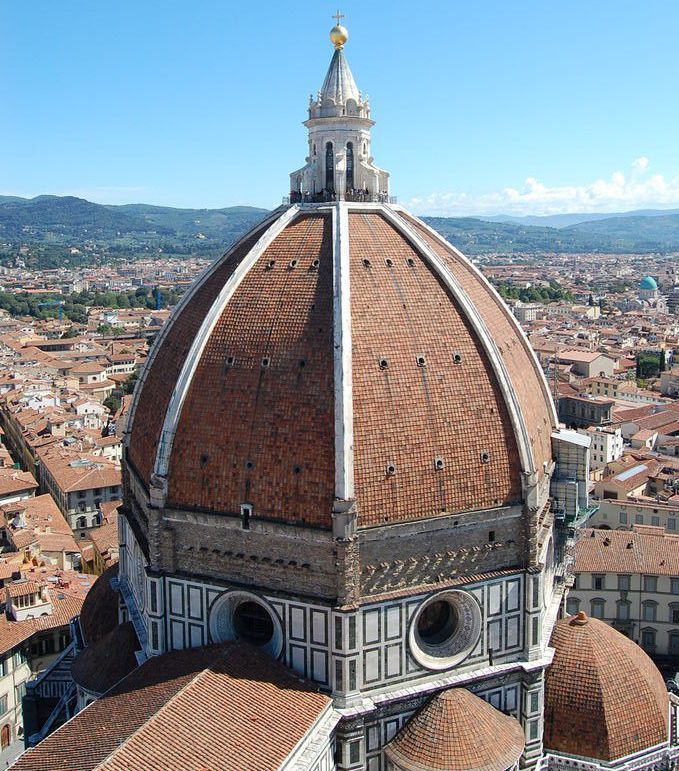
x: 445, y: 629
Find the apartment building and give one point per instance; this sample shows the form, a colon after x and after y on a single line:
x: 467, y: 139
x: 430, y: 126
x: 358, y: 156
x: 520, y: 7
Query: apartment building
x: 79, y: 483
x: 630, y: 580
x: 607, y: 445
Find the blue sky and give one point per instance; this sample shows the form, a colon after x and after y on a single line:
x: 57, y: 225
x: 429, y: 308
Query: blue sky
x: 520, y: 106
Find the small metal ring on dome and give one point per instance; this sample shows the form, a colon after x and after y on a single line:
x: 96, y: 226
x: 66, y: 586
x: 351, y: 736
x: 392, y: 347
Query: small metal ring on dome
x: 410, y: 262
x: 457, y: 357
x: 439, y: 463
x: 366, y: 262
x: 384, y: 363
x: 391, y: 469
x: 389, y: 262
x: 421, y: 361
x: 292, y: 264
x: 315, y: 263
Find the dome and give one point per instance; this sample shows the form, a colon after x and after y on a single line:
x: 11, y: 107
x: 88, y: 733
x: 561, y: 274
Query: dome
x: 604, y: 697
x: 648, y: 284
x: 340, y: 352
x: 104, y: 663
x: 457, y: 731
x: 99, y: 613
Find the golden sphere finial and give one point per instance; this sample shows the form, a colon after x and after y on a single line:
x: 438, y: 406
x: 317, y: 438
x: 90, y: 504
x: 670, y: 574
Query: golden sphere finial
x: 339, y: 36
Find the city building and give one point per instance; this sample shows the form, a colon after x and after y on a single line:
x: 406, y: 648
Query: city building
x: 669, y: 382
x: 622, y: 514
x: 79, y: 483
x: 15, y: 485
x: 607, y: 445
x: 630, y: 579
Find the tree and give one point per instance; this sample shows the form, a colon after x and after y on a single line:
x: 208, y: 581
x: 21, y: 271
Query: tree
x: 662, y: 366
x: 129, y: 384
x: 112, y: 403
x: 648, y: 365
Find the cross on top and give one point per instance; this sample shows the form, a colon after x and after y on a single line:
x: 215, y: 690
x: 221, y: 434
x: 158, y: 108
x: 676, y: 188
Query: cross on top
x: 338, y: 17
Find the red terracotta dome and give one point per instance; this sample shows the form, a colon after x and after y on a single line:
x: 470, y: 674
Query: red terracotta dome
x: 604, y: 697
x: 99, y: 613
x: 105, y: 662
x: 457, y: 731
x: 340, y: 352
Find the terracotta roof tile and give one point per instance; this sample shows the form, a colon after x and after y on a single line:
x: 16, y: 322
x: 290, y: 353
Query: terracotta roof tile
x: 257, y: 711
x: 645, y: 550
x: 410, y: 415
x: 276, y: 446
x: 457, y: 731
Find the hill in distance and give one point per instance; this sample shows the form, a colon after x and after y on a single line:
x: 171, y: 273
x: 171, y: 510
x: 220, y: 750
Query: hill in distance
x: 53, y: 224
x: 565, y: 220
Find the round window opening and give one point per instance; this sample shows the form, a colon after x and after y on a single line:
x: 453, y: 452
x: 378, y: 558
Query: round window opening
x: 445, y: 629
x: 245, y: 616
x: 252, y: 622
x: 437, y: 623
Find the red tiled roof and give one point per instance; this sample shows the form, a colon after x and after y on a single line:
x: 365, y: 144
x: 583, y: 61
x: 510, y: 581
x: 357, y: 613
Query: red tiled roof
x: 404, y: 414
x: 160, y: 378
x: 604, y: 697
x: 256, y: 709
x: 13, y: 481
x: 288, y: 473
x: 457, y: 731
x: 648, y: 550
x: 409, y: 415
x: 514, y: 349
x: 64, y: 608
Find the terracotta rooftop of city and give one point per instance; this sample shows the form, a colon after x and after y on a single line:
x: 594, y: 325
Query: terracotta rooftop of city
x: 457, y: 731
x: 355, y: 392
x: 646, y: 549
x: 604, y: 697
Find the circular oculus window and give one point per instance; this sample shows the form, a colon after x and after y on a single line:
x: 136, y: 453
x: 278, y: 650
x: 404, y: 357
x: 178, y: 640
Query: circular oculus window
x: 245, y: 616
x: 445, y: 629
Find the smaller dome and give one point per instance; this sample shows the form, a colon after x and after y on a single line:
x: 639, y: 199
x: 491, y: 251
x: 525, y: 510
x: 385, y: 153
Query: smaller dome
x: 104, y: 663
x: 604, y: 697
x: 457, y: 731
x: 649, y: 284
x: 99, y: 613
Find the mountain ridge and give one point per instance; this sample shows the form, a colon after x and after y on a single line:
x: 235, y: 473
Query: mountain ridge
x: 56, y: 224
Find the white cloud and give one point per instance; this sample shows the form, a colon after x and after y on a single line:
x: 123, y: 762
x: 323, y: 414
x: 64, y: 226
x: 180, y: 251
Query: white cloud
x: 621, y: 192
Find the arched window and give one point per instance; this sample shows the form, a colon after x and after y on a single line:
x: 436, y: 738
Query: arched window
x: 329, y: 168
x: 573, y: 606
x: 82, y: 522
x: 598, y: 606
x: 648, y: 639
x: 350, y: 166
x: 650, y: 610
x: 622, y: 610
x: 674, y: 644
